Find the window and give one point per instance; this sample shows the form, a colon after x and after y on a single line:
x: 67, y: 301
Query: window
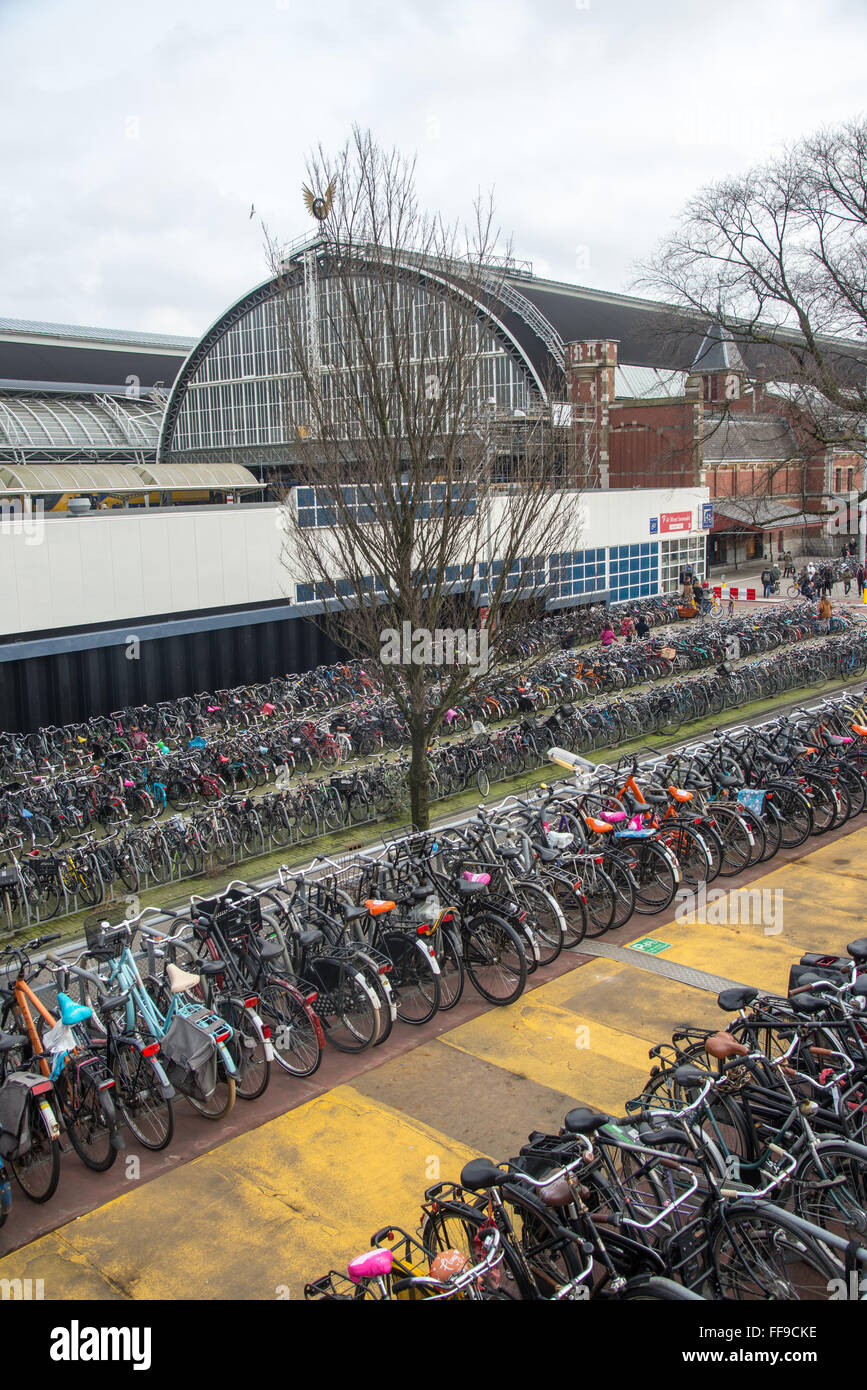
x: 574, y: 572
x: 685, y: 550
x: 634, y: 570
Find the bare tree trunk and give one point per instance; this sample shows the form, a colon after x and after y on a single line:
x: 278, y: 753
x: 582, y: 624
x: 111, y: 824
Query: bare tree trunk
x: 419, y: 773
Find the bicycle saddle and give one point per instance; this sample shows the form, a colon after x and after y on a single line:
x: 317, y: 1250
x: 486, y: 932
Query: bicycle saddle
x: 369, y: 1265
x: 582, y: 1120
x: 480, y: 1172
x: 377, y: 906
x: 179, y: 980
x: 730, y: 1000
x: 723, y: 1046
x: 70, y: 1012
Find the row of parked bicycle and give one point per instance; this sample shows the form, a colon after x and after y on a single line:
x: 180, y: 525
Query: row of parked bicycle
x: 202, y: 1004
x: 131, y: 783
x: 739, y: 1173
x: 39, y: 885
x: 272, y: 710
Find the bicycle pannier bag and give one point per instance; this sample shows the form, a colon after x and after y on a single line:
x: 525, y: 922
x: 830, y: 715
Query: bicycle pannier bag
x: 15, y: 1137
x: 189, y: 1056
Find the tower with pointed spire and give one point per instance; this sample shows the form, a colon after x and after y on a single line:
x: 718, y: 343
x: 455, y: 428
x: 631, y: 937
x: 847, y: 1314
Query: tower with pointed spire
x: 719, y: 366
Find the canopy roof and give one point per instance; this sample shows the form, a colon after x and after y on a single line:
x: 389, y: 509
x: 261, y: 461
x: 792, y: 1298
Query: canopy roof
x: 32, y: 479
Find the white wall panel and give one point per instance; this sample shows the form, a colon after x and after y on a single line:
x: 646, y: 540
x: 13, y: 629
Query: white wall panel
x: 114, y: 565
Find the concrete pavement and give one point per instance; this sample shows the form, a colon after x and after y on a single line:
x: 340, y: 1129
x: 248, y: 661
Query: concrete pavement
x: 271, y: 1208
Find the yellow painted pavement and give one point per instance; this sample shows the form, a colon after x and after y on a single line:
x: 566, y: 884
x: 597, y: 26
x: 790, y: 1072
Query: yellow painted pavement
x: 263, y: 1213
x: 257, y: 1216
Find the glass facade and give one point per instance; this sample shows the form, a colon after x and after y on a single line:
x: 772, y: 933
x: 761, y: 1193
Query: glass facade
x: 315, y: 509
x: 247, y: 392
x: 685, y: 550
x: 575, y: 572
x: 634, y: 570
x: 627, y: 571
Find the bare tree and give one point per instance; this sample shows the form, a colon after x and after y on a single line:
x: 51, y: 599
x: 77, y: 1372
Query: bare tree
x: 427, y: 468
x: 779, y: 258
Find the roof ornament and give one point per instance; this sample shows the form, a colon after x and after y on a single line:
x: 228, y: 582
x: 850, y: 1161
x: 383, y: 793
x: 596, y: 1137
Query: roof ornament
x: 319, y: 205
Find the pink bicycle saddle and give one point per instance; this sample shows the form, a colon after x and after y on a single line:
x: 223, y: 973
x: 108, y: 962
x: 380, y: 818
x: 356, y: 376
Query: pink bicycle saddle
x: 369, y: 1265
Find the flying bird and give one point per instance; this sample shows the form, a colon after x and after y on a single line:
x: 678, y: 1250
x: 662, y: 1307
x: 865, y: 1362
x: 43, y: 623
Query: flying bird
x: 319, y: 205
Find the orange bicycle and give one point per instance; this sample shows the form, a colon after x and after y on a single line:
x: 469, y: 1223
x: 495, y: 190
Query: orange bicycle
x: 81, y: 1080
x: 36, y: 1166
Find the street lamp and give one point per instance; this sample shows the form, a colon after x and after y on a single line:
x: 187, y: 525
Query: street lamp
x: 571, y: 761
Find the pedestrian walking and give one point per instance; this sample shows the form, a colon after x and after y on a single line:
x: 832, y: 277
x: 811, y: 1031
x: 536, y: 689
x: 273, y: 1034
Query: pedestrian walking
x: 627, y: 628
x: 859, y: 575
x: 825, y: 613
x: 607, y: 637
x: 641, y: 627
x: 767, y: 581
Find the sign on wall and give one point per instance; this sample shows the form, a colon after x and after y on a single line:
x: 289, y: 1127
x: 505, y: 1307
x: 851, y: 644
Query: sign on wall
x: 654, y: 526
x: 675, y: 521
x: 706, y: 513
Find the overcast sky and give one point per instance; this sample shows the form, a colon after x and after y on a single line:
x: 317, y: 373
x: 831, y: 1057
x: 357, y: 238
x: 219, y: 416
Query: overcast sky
x: 135, y: 137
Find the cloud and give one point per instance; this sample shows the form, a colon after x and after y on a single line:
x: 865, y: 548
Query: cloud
x: 132, y: 150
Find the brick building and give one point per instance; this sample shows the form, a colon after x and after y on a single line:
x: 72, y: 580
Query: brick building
x: 768, y: 475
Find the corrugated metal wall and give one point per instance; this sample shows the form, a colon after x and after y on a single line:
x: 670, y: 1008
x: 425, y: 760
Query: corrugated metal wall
x: 68, y: 688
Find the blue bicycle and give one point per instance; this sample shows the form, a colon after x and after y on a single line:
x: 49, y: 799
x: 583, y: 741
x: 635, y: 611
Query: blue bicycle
x: 207, y: 1075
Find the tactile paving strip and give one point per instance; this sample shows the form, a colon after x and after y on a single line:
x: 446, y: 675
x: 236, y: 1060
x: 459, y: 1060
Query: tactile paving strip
x: 684, y: 974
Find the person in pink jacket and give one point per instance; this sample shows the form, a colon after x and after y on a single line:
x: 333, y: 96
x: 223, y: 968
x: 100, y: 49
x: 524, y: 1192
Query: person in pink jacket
x: 607, y: 637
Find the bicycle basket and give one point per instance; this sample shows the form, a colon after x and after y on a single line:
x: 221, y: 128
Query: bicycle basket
x: 235, y: 913
x: 102, y: 940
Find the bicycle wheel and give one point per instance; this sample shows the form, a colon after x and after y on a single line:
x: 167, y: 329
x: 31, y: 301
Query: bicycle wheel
x: 248, y: 1050
x: 294, y: 1035
x: 656, y: 878
x: 483, y: 781
x: 831, y: 1189
x: 624, y: 887
x: 221, y: 1101
x: 451, y: 966
x: 494, y: 958
x: 772, y: 829
x: 547, y: 918
x: 573, y: 907
x: 38, y: 1171
x: 760, y: 1257
x: 690, y: 849
x: 823, y: 804
x: 415, y: 983
x: 141, y: 1105
x: 737, y: 840
x: 457, y: 1227
x: 347, y: 1006
x: 91, y: 1120
x: 795, y: 813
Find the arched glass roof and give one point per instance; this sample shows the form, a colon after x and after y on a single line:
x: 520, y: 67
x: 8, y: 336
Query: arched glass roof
x: 41, y: 420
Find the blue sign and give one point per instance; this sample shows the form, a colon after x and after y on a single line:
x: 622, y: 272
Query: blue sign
x: 654, y: 525
x: 706, y: 516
